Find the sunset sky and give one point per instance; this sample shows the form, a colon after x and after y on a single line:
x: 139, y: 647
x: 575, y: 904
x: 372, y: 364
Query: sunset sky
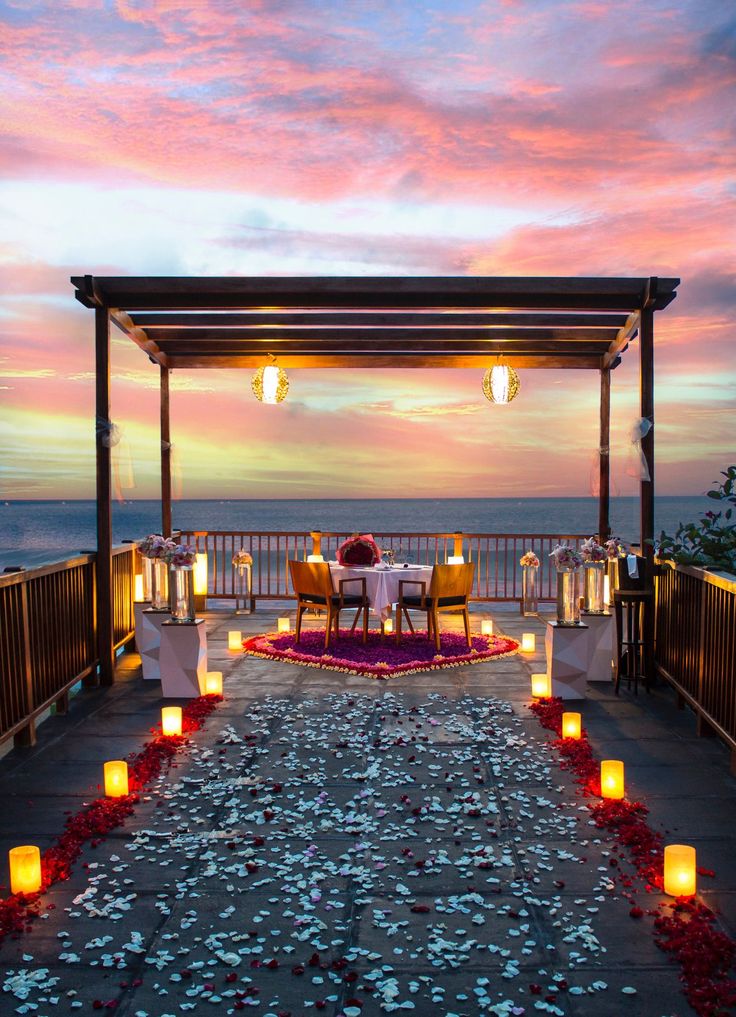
x: 378, y: 137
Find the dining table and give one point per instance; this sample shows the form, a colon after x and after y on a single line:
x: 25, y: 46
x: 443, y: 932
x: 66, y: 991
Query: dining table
x: 381, y: 582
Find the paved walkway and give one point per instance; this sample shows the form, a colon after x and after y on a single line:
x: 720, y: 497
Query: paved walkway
x: 339, y: 845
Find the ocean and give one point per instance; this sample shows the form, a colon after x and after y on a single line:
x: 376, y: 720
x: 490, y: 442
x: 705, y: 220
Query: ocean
x: 35, y: 532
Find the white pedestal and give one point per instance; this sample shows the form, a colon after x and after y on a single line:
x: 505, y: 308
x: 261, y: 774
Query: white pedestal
x: 183, y: 659
x: 148, y: 638
x: 601, y: 646
x: 567, y: 659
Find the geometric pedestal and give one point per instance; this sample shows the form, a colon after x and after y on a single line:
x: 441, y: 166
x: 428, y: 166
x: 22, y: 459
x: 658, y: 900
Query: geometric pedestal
x: 148, y: 637
x: 183, y: 659
x: 601, y: 646
x: 567, y: 659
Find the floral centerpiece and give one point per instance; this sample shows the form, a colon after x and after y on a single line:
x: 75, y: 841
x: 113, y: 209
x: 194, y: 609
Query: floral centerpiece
x: 567, y: 561
x: 592, y: 551
x: 154, y: 545
x: 242, y: 558
x: 615, y: 548
x: 153, y: 549
x: 529, y: 596
x: 595, y: 557
x: 179, y: 556
x: 360, y: 549
x: 180, y: 559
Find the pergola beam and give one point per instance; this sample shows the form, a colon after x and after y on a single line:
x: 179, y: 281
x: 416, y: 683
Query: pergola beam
x: 397, y: 336
x: 391, y: 360
x: 357, y: 319
x: 126, y: 325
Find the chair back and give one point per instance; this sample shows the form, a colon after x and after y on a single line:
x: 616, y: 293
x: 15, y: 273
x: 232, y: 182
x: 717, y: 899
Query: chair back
x: 311, y: 579
x: 452, y: 580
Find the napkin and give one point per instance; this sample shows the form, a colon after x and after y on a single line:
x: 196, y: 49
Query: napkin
x: 632, y: 563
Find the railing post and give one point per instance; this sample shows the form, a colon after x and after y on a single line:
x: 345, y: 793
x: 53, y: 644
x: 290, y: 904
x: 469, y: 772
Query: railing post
x: 26, y: 737
x: 457, y: 549
x: 316, y: 536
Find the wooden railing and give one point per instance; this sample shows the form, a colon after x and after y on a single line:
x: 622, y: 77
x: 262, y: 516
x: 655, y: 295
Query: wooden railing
x: 696, y: 645
x: 48, y: 635
x: 497, y: 574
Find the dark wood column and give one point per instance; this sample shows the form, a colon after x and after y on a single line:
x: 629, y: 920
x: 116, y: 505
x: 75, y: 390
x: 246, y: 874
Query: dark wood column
x: 165, y: 455
x: 646, y: 411
x: 604, y: 458
x: 105, y: 640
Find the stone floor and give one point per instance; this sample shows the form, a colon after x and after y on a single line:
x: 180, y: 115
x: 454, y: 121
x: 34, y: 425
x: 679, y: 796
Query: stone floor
x: 336, y: 844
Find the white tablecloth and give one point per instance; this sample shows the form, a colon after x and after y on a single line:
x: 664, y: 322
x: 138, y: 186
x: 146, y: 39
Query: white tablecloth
x: 381, y: 585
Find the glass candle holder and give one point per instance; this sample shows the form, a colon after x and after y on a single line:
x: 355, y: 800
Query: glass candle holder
x: 568, y: 603
x: 181, y: 594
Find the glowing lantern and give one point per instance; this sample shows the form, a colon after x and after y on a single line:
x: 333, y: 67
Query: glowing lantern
x: 528, y: 642
x: 541, y: 685
x: 25, y: 869
x: 234, y: 640
x: 486, y: 627
x: 571, y: 725
x: 138, y: 589
x: 283, y: 624
x: 171, y: 720
x: 213, y: 683
x: 315, y: 557
x: 388, y: 627
x: 612, y: 778
x: 270, y: 384
x: 116, y: 778
x: 679, y: 870
x: 501, y: 384
x: 456, y: 559
x: 606, y: 591
x: 200, y: 575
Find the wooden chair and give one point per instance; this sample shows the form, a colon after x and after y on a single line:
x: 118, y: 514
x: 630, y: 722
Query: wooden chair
x: 312, y: 582
x: 449, y: 590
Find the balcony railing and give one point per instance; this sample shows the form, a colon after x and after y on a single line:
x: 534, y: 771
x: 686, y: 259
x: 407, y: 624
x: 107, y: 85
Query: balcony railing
x: 696, y: 645
x: 497, y: 573
x: 48, y: 635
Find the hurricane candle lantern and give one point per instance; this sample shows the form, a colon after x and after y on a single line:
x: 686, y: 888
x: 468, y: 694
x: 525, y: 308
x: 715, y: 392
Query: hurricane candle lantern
x: 138, y: 589
x: 234, y: 640
x: 567, y: 561
x: 171, y: 719
x: 243, y: 564
x: 201, y: 574
x: 153, y: 550
x: 116, y: 778
x: 159, y: 585
x: 541, y: 685
x: 529, y: 593
x: 315, y: 558
x: 528, y: 642
x: 612, y: 778
x: 283, y: 624
x: 571, y: 725
x: 388, y: 627
x: 679, y: 870
x: 213, y: 683
x: 456, y: 559
x: 181, y: 559
x: 486, y: 627
x: 25, y: 869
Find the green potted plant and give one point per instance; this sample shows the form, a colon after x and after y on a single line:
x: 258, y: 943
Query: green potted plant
x: 711, y: 542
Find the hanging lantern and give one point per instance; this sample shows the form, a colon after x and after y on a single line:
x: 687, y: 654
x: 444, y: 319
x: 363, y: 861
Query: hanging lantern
x: 270, y: 384
x: 501, y: 384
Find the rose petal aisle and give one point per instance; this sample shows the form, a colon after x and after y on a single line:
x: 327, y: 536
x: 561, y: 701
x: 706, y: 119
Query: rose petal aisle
x: 378, y: 658
x: 354, y: 855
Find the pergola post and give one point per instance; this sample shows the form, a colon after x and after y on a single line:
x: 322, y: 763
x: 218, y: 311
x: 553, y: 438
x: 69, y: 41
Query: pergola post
x: 105, y: 639
x: 165, y: 454
x: 646, y: 412
x: 604, y: 458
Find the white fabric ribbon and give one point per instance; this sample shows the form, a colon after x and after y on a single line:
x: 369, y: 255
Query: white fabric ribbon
x: 174, y: 468
x: 108, y: 433
x: 638, y: 466
x: 111, y: 436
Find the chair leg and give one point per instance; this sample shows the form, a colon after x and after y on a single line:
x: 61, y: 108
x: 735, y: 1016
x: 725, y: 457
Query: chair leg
x: 365, y: 623
x: 328, y: 627
x: 466, y: 619
x: 436, y: 625
x: 299, y: 613
x: 408, y: 621
x: 400, y: 612
x: 355, y: 620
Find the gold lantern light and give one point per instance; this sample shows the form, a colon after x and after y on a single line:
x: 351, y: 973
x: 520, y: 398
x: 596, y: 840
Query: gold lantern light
x: 388, y: 627
x: 541, y: 685
x: 501, y: 383
x: 116, y: 778
x: 138, y: 588
x: 486, y: 627
x: 528, y: 642
x: 200, y: 574
x: 25, y: 869
x: 171, y: 719
x: 679, y: 870
x: 571, y: 725
x: 234, y: 640
x: 612, y: 778
x: 270, y: 384
x: 213, y: 683
x: 283, y: 624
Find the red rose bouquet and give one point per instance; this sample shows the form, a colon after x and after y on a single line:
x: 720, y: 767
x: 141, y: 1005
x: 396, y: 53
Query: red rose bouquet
x: 360, y: 549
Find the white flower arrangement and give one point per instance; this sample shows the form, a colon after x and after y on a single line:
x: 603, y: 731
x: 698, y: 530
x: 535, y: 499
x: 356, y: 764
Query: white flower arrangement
x: 566, y: 557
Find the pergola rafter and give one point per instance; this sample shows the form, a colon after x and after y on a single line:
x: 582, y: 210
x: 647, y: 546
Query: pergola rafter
x: 370, y: 322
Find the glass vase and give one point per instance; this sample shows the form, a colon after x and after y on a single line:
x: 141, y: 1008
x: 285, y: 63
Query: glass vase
x: 159, y: 585
x: 243, y: 589
x: 181, y: 594
x: 529, y: 594
x: 593, y: 576
x: 146, y: 571
x: 568, y: 605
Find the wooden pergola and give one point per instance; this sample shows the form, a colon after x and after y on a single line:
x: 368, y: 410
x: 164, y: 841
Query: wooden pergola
x: 367, y: 322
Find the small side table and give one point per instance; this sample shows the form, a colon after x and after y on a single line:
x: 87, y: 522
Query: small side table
x: 567, y: 659
x: 183, y: 659
x: 601, y: 646
x: 148, y: 622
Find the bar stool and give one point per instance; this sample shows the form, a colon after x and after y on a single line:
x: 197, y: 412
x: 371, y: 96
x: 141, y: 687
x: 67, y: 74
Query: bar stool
x: 633, y: 606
